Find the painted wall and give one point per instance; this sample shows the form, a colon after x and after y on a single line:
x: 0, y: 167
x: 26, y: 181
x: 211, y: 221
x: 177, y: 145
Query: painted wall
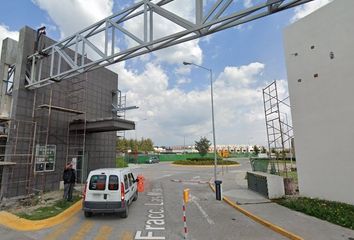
x: 320, y: 64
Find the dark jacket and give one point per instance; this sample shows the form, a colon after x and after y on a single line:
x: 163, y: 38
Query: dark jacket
x: 69, y: 176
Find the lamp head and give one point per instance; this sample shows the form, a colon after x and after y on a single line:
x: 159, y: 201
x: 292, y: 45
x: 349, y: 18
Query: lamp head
x: 186, y: 63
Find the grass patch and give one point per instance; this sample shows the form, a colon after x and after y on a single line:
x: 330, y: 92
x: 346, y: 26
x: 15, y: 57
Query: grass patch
x: 120, y: 163
x: 48, y: 211
x: 338, y: 213
x: 292, y: 175
x: 204, y: 162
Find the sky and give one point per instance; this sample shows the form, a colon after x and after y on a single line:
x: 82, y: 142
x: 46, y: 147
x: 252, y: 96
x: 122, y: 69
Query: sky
x: 173, y: 99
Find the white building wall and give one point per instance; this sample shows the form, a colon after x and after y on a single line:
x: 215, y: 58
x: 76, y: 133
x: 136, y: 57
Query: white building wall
x: 322, y: 100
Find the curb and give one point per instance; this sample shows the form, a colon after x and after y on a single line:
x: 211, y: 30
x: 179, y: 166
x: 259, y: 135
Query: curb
x: 20, y: 224
x: 260, y: 220
x: 204, y: 166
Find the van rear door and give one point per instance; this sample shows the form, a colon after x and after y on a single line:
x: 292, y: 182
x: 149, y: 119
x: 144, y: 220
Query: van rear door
x: 113, y: 188
x: 97, y: 188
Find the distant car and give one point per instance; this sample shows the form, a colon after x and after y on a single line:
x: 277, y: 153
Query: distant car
x: 153, y: 160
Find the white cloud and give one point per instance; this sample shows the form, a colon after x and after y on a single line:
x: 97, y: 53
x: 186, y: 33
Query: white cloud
x: 247, y: 3
x: 5, y: 32
x: 72, y: 16
x: 183, y: 81
x: 239, y: 76
x: 308, y: 8
x: 172, y: 113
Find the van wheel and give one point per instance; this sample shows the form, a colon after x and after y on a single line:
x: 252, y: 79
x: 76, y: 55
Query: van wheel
x: 88, y: 214
x: 125, y: 213
x: 136, y: 196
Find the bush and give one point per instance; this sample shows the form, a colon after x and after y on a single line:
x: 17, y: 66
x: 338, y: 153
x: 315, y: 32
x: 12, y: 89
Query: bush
x: 204, y: 159
x: 335, y: 212
x: 120, y: 163
x: 203, y: 162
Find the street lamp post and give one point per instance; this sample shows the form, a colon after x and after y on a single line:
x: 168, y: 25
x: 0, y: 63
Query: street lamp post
x: 212, y: 111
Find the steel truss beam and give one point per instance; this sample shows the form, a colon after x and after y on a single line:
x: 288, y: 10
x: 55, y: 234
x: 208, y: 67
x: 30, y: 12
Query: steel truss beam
x: 207, y: 20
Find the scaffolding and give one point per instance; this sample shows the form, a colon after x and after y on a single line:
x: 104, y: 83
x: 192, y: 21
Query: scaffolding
x: 16, y: 158
x: 119, y: 108
x: 76, y: 139
x: 60, y: 106
x: 279, y: 129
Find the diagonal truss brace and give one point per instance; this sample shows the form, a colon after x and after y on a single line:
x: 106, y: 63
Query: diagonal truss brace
x: 62, y: 65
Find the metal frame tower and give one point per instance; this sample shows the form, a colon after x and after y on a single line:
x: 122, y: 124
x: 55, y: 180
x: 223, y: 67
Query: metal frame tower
x: 279, y: 130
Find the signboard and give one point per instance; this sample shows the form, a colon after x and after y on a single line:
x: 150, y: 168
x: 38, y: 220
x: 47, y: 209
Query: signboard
x: 45, y: 158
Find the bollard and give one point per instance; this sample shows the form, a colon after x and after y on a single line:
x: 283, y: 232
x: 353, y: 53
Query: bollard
x: 218, y: 189
x: 185, y: 220
x: 186, y: 195
x: 140, y: 179
x: 184, y: 203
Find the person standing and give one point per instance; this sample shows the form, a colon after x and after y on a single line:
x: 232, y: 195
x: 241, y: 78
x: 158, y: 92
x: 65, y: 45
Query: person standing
x: 69, y: 178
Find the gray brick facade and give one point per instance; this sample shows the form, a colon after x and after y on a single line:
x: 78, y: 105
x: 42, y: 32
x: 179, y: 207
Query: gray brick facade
x: 42, y: 117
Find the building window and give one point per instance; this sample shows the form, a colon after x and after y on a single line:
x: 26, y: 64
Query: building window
x: 45, y: 158
x: 10, y: 79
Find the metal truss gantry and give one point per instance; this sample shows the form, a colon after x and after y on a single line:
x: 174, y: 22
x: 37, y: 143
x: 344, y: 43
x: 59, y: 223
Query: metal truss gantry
x: 208, y: 19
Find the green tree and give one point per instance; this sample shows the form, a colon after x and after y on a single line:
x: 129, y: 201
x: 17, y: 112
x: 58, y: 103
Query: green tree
x: 256, y: 149
x: 264, y: 150
x: 143, y: 145
x: 146, y: 145
x: 202, y: 146
x: 122, y: 145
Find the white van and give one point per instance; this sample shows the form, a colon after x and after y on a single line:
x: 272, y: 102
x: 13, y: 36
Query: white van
x: 109, y: 190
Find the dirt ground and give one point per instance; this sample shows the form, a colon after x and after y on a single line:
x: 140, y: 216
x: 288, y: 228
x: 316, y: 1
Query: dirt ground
x: 32, y: 203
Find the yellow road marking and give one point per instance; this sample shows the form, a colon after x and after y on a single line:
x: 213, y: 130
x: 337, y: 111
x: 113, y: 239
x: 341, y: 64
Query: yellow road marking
x: 61, y: 229
x: 84, y: 229
x: 20, y: 224
x: 127, y: 236
x: 104, y: 233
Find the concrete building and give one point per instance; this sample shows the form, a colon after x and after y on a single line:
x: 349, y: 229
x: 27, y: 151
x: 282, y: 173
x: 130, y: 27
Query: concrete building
x: 319, y: 56
x: 44, y: 128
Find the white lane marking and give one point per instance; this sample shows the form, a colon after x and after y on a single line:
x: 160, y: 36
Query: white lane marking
x: 155, y: 225
x: 164, y: 176
x: 205, y: 215
x: 196, y: 177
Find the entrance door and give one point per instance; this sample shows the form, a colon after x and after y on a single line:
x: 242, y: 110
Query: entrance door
x: 81, y: 167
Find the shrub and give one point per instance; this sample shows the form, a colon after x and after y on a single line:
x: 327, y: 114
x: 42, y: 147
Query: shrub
x: 335, y: 212
x: 120, y: 163
x: 203, y: 162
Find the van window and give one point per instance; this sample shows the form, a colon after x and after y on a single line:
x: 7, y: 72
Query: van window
x: 126, y: 183
x: 131, y: 176
x: 130, y: 179
x: 97, y: 182
x: 113, y: 182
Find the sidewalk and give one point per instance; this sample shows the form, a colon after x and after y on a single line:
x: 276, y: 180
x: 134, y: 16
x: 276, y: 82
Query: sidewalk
x: 235, y: 188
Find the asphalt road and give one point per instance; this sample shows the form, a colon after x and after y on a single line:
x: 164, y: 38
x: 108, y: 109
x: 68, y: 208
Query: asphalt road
x: 157, y: 214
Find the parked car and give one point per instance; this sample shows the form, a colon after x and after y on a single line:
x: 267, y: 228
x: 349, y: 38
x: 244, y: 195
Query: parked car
x: 153, y: 160
x: 109, y: 190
